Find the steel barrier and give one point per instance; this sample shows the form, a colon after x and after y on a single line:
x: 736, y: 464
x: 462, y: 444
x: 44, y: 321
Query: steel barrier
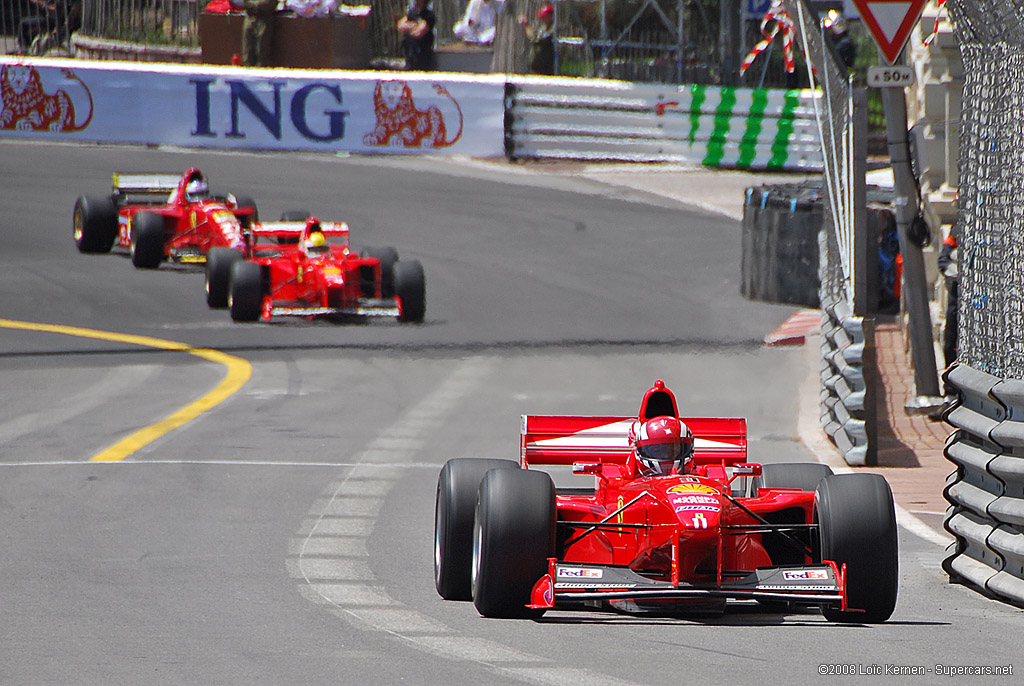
x: 987, y: 490
x: 738, y: 128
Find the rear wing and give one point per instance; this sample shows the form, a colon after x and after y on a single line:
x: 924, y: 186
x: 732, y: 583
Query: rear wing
x: 290, y: 233
x: 565, y: 439
x: 145, y: 184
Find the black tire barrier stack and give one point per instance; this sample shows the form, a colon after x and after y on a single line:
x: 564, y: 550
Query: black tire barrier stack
x: 780, y: 243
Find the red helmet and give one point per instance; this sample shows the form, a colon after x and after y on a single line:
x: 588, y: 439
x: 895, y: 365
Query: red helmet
x: 663, y: 444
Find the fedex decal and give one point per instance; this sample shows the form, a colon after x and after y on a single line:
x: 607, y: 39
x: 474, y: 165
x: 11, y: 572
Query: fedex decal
x: 580, y: 573
x: 313, y: 111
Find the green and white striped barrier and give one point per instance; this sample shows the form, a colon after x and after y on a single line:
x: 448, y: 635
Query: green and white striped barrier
x: 739, y: 128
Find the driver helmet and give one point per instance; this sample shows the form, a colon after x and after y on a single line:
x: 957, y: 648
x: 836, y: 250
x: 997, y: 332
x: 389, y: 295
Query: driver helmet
x: 663, y: 445
x: 197, y: 189
x: 315, y: 242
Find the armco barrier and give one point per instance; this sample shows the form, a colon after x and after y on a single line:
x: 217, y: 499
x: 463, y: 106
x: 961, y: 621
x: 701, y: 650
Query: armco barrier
x: 987, y: 489
x: 737, y: 128
x: 844, y: 388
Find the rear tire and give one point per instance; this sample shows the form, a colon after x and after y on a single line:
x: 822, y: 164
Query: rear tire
x: 148, y: 237
x: 218, y: 275
x: 388, y: 257
x: 411, y: 289
x: 513, y: 537
x: 802, y: 475
x: 457, y: 487
x: 857, y: 526
x: 94, y: 223
x: 245, y: 299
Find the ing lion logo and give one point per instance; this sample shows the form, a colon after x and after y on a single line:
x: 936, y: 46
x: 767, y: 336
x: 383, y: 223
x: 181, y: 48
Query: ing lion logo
x: 401, y: 124
x: 25, y: 106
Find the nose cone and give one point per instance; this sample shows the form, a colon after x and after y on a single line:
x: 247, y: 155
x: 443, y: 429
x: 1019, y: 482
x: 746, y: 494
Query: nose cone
x: 696, y: 505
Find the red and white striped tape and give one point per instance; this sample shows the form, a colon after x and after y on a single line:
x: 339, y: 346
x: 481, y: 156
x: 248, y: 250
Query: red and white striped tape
x: 776, y: 20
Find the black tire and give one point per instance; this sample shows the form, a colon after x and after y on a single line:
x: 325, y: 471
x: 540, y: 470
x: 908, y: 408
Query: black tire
x: 802, y: 475
x: 244, y: 201
x: 857, y: 526
x: 245, y: 294
x: 513, y: 537
x: 218, y: 275
x: 454, y: 509
x: 148, y: 237
x: 94, y: 223
x: 388, y: 257
x: 411, y: 289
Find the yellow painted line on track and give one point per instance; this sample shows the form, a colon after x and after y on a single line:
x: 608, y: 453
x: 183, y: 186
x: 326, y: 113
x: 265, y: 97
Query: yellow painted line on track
x: 238, y: 373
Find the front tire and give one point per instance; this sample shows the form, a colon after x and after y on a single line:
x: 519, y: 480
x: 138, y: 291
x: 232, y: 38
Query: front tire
x: 95, y: 224
x: 218, y: 275
x: 513, y: 537
x: 245, y: 299
x: 454, y: 509
x: 411, y: 289
x: 148, y: 237
x: 857, y: 526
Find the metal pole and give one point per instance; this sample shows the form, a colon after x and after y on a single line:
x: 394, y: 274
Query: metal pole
x: 915, y: 284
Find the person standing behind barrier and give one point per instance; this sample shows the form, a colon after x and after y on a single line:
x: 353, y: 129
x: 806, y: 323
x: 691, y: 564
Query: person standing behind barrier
x: 417, y: 29
x: 949, y: 265
x: 258, y: 32
x: 478, y: 23
x: 542, y: 41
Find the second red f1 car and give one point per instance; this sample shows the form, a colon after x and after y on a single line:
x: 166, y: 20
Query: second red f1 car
x: 307, y: 269
x: 674, y: 521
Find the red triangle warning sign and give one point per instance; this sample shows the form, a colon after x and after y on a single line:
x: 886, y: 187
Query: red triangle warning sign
x: 890, y: 22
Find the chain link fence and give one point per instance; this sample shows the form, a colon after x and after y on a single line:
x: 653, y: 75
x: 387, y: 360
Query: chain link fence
x: 991, y: 206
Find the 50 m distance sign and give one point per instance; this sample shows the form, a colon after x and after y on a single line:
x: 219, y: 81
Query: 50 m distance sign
x: 890, y: 76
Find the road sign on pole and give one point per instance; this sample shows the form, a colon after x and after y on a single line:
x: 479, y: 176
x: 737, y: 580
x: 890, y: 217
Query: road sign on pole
x: 890, y: 22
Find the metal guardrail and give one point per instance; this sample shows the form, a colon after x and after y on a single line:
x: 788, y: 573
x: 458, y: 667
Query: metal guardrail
x: 844, y: 388
x: 987, y: 489
x: 738, y: 128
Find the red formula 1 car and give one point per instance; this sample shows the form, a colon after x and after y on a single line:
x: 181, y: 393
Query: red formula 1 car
x: 160, y: 216
x: 308, y: 269
x: 687, y: 541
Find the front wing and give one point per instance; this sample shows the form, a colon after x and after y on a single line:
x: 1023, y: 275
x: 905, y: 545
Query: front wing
x: 817, y: 584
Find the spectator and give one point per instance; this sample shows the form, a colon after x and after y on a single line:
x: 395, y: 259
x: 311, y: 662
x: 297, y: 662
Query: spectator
x: 478, y: 23
x: 542, y: 40
x: 258, y: 32
x: 48, y: 24
x: 844, y: 46
x: 417, y: 29
x: 948, y: 264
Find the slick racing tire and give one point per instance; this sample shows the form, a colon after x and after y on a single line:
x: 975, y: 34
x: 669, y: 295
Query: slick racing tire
x: 454, y: 509
x: 857, y: 526
x: 388, y: 257
x: 148, y: 236
x: 244, y: 201
x: 95, y: 223
x: 802, y: 475
x: 411, y: 289
x: 245, y: 294
x: 293, y: 216
x: 513, y: 537
x: 218, y: 275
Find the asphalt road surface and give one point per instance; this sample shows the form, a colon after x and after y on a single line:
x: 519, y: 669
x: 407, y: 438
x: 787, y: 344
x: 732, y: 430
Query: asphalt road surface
x: 283, y: 533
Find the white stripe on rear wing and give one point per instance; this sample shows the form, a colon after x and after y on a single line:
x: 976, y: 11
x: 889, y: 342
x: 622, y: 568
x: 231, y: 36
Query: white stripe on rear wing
x: 146, y: 183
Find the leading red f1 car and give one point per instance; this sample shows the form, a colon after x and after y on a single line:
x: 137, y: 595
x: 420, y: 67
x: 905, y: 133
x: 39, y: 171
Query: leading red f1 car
x: 676, y: 521
x: 160, y: 216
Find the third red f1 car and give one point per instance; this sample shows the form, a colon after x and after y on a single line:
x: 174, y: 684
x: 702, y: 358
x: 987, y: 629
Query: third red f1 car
x: 161, y: 216
x: 674, y: 520
x: 307, y: 269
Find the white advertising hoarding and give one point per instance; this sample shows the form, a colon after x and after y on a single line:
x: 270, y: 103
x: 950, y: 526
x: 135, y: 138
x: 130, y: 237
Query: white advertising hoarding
x: 251, y: 109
